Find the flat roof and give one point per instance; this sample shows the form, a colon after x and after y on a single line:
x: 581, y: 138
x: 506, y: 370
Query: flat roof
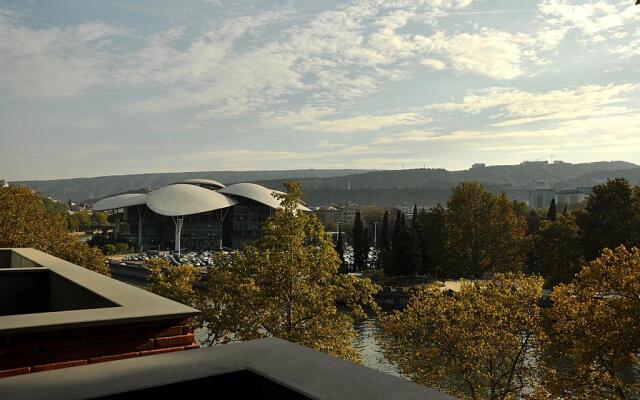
x: 132, y: 304
x: 307, y: 372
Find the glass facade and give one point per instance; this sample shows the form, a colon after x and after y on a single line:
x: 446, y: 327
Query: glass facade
x: 229, y: 227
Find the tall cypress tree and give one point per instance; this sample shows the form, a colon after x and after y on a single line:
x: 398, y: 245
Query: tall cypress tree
x: 340, y: 251
x: 403, y: 252
x: 401, y: 259
x: 414, y: 219
x: 553, y: 212
x: 384, y: 244
x: 358, y: 243
x: 396, y: 227
x: 390, y: 256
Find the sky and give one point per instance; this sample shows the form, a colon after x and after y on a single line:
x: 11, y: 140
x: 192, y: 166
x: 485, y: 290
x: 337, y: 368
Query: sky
x: 104, y: 87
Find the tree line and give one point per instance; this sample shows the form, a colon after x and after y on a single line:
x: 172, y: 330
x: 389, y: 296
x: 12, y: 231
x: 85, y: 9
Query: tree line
x: 492, y: 339
x: 489, y: 340
x: 478, y: 234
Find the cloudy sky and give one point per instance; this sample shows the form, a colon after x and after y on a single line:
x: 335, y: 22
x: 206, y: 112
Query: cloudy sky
x: 115, y: 87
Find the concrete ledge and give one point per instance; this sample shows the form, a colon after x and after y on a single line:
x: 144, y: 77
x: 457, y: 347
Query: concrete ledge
x: 298, y: 371
x: 130, y: 304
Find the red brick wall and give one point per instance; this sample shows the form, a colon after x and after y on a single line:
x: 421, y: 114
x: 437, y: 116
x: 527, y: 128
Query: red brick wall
x: 24, y: 353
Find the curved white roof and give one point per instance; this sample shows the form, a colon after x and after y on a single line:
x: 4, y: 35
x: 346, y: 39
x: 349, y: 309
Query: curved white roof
x: 185, y: 199
x: 203, y: 182
x: 256, y: 193
x: 120, y: 201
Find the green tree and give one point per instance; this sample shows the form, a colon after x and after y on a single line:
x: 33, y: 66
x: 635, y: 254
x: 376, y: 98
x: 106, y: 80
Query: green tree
x: 73, y: 224
x: 533, y: 222
x: 520, y: 208
x: 109, y: 249
x: 340, y: 251
x: 552, y: 214
x: 100, y: 218
x: 610, y: 218
x: 480, y: 343
x: 26, y: 222
x: 288, y: 285
x: 437, y: 238
x: 384, y: 243
x: 173, y: 282
x: 432, y: 241
x: 358, y: 242
x: 557, y: 250
x: 122, y: 247
x: 400, y: 259
x: 595, y: 321
x: 177, y: 283
x: 390, y: 258
x: 84, y: 219
x: 414, y: 219
x: 484, y: 234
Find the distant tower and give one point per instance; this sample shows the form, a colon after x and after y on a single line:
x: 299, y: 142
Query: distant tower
x: 348, y: 185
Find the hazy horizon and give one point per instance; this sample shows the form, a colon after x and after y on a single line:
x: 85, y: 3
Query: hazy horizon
x: 303, y: 169
x: 115, y: 88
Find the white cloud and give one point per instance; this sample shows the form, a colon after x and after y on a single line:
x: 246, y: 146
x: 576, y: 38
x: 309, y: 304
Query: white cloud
x: 596, y: 20
x: 496, y: 54
x: 52, y: 62
x: 434, y: 64
x: 517, y: 107
x: 315, y: 120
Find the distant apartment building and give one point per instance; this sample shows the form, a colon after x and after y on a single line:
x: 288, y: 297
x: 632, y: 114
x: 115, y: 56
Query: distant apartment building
x: 343, y: 216
x: 573, y: 196
x: 541, y: 198
x: 327, y: 214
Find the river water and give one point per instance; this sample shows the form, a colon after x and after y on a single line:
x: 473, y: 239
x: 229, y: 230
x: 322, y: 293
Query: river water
x: 365, y: 342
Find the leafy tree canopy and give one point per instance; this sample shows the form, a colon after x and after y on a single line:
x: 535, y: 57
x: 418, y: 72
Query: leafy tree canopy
x: 288, y: 285
x: 480, y: 343
x: 595, y: 324
x: 26, y: 222
x: 484, y: 233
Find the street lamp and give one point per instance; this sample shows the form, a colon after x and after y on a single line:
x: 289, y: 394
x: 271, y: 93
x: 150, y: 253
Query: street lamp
x: 375, y: 230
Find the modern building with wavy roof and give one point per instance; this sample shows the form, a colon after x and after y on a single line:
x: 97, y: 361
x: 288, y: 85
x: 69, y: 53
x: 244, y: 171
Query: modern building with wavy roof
x: 193, y: 214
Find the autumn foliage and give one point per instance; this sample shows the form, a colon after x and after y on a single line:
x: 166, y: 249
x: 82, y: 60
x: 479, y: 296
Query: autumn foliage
x: 286, y: 285
x: 480, y: 343
x: 26, y: 222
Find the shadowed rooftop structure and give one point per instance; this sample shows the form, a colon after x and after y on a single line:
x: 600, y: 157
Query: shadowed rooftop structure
x: 85, y: 337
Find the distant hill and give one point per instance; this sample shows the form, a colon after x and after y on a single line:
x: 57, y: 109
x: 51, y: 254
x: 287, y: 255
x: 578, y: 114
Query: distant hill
x: 431, y: 186
x: 366, y: 187
x: 522, y: 175
x: 81, y: 189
